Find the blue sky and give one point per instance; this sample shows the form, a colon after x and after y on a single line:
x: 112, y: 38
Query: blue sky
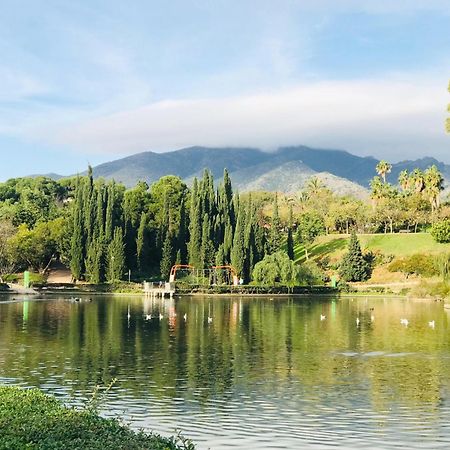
x: 90, y: 81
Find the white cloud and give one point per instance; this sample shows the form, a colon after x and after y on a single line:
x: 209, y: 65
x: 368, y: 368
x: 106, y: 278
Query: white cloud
x: 396, y: 118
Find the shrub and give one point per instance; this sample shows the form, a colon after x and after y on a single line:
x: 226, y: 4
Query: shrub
x: 31, y: 419
x: 418, y: 264
x: 310, y: 273
x: 441, y: 231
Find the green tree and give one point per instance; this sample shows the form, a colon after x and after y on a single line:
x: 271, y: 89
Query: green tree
x: 8, y: 263
x: 274, y: 269
x: 354, y: 266
x: 167, y: 257
x: 310, y: 225
x: 441, y: 231
x: 275, y: 240
x: 238, y: 252
x: 290, y: 238
x: 383, y: 168
x: 116, y: 257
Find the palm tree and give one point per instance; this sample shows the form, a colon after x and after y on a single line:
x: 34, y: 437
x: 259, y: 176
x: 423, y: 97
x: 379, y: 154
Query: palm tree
x: 403, y: 180
x: 377, y: 191
x: 417, y: 180
x: 314, y: 185
x: 383, y: 168
x: 434, y: 184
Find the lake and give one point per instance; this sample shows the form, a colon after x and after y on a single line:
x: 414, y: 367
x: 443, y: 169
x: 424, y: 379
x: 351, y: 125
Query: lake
x: 265, y: 373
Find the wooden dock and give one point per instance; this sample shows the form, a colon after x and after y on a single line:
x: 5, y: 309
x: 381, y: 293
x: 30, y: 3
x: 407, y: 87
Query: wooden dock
x: 155, y: 290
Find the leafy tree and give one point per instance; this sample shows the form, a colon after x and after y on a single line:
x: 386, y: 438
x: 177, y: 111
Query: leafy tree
x: 7, y: 262
x: 36, y: 248
x: 354, y: 266
x: 310, y: 225
x: 441, y: 231
x: 274, y: 269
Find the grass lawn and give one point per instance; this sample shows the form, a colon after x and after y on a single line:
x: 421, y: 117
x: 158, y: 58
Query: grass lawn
x: 30, y: 419
x: 335, y: 245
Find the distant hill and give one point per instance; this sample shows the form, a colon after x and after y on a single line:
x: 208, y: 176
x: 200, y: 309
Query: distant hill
x: 284, y: 170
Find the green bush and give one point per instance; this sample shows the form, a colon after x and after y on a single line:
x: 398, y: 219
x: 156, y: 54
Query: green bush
x: 310, y: 273
x: 30, y: 419
x: 418, y: 264
x: 441, y: 231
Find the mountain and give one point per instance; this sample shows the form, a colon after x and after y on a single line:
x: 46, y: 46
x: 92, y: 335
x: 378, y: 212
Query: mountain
x: 284, y: 170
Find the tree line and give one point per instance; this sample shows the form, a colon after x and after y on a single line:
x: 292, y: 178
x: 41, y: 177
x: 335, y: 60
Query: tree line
x: 101, y: 230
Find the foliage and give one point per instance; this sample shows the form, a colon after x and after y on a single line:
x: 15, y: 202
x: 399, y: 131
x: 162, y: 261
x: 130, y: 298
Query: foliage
x: 310, y: 273
x: 310, y: 225
x: 354, y: 267
x: 441, y: 231
x: 116, y: 257
x: 418, y: 264
x: 31, y: 419
x: 276, y: 268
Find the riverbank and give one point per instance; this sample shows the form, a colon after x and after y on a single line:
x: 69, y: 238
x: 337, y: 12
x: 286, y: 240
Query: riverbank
x: 31, y: 419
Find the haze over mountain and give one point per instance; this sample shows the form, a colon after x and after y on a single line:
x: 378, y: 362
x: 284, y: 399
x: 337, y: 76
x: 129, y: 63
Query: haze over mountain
x: 285, y: 170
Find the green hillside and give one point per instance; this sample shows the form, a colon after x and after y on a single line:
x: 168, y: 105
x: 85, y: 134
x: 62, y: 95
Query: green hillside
x: 335, y: 245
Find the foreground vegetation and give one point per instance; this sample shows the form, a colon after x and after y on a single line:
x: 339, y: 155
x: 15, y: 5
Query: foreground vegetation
x: 30, y: 419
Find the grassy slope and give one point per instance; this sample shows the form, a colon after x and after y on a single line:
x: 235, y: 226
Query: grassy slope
x: 334, y: 246
x: 30, y: 419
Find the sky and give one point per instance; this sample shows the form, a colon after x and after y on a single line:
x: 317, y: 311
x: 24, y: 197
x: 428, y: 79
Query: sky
x: 84, y: 82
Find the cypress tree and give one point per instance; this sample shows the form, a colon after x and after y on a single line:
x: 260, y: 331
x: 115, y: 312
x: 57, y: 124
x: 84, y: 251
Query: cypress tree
x: 238, y: 250
x: 195, y: 227
x: 354, y: 267
x: 207, y: 247
x: 290, y: 238
x: 167, y: 257
x: 142, y: 245
x: 116, y: 257
x: 220, y: 261
x: 109, y: 222
x: 94, y: 261
x: 227, y: 242
x: 77, y: 241
x: 182, y: 235
x: 275, y: 235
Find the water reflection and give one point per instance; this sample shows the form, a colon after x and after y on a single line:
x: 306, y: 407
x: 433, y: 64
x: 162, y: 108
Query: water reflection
x: 262, y: 373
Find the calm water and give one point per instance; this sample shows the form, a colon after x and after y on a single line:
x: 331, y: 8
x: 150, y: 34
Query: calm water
x: 264, y: 374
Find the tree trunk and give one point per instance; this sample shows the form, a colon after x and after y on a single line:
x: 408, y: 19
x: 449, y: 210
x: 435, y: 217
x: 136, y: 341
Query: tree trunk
x: 306, y: 253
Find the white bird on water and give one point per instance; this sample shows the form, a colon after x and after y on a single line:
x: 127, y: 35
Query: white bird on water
x: 372, y: 318
x: 357, y: 321
x: 148, y: 317
x: 404, y: 322
x: 185, y: 317
x: 322, y: 317
x: 128, y: 313
x: 431, y: 324
x: 161, y: 317
x: 209, y: 319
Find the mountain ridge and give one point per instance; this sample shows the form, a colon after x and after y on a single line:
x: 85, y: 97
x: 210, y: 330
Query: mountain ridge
x: 285, y: 169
